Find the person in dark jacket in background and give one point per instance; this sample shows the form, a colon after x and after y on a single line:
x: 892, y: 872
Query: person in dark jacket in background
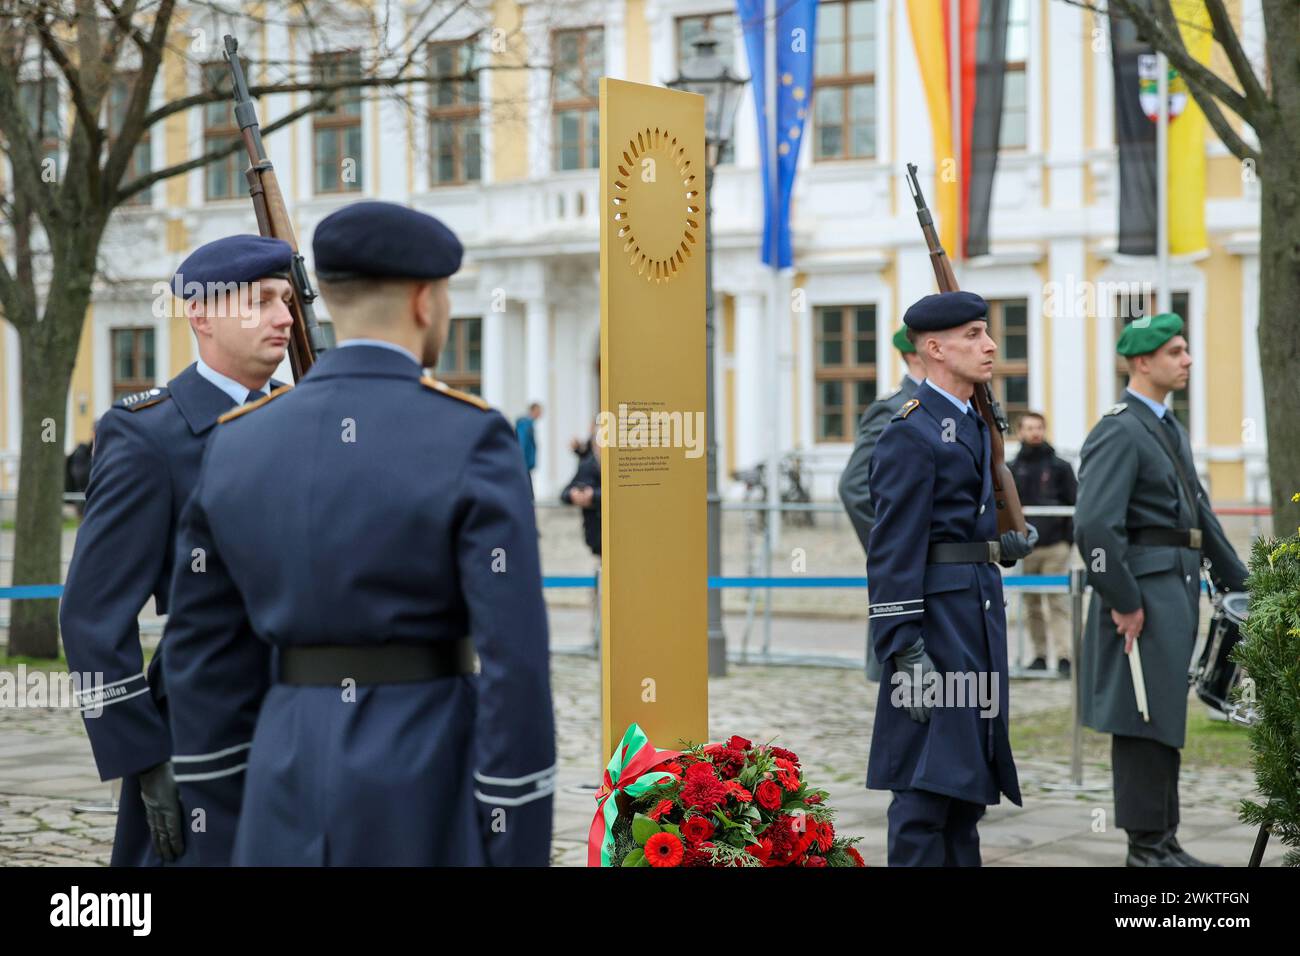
x: 583, y: 490
x: 526, y: 432
x: 1042, y: 478
x: 77, y: 472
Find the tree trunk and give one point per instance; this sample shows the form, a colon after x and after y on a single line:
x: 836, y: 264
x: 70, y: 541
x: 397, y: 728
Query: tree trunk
x: 1279, y: 318
x: 38, y: 532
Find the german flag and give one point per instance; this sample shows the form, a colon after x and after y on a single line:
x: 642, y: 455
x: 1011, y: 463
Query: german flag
x: 964, y: 175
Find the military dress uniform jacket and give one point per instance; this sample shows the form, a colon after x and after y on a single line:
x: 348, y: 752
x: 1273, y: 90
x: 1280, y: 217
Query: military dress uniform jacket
x: 1126, y: 481
x: 930, y: 482
x: 147, y: 452
x: 855, y: 486
x: 361, y: 507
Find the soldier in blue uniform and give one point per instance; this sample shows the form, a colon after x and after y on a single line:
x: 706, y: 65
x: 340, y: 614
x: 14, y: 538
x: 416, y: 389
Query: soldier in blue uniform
x: 938, y: 623
x: 363, y: 535
x: 146, y: 458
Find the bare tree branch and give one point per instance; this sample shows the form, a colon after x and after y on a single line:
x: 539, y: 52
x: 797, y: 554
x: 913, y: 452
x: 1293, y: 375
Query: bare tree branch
x: 85, y: 111
x: 1201, y: 93
x: 133, y: 122
x: 1226, y: 36
x: 142, y: 183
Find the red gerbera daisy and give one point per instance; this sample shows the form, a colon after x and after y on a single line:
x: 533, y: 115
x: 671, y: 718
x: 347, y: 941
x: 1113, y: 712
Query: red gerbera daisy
x: 664, y: 849
x: 857, y: 857
x: 740, y: 793
x: 662, y: 807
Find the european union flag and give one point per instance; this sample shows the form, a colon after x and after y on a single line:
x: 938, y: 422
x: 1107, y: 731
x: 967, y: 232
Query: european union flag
x: 795, y: 24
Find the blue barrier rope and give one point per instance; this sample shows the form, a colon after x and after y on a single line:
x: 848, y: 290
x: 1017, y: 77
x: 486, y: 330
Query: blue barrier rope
x: 47, y: 591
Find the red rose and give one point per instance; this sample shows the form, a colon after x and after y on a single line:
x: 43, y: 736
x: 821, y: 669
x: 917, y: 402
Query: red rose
x: 663, y: 849
x: 813, y: 800
x: 814, y: 861
x: 857, y: 857
x: 662, y: 807
x: 739, y: 743
x: 769, y: 795
x: 697, y: 829
x: 703, y: 790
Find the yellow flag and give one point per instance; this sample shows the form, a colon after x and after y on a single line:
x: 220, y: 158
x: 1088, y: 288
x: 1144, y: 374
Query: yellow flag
x: 1187, y: 139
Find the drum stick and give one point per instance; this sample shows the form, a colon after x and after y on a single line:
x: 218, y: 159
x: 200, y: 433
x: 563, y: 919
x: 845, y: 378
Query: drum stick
x: 1139, y: 682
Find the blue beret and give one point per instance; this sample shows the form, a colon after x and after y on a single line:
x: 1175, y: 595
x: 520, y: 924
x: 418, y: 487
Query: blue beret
x: 384, y: 240
x: 232, y: 259
x: 945, y: 310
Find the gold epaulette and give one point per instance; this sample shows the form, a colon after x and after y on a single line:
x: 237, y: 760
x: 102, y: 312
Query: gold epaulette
x: 909, y: 406
x: 234, y: 413
x: 444, y: 389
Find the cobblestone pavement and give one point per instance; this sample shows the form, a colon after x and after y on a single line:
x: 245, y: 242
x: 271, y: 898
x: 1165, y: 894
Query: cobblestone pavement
x: 823, y: 713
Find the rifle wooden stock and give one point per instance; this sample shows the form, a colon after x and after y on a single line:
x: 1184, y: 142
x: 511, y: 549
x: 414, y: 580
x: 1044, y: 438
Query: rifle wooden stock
x: 1011, y: 516
x: 306, y: 340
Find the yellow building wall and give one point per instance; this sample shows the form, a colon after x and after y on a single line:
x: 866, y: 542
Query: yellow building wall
x: 82, y: 389
x: 509, y: 107
x: 638, y: 42
x: 1222, y: 176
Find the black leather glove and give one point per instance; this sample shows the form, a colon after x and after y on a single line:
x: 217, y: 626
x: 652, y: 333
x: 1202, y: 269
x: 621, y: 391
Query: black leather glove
x: 162, y: 811
x: 1016, y: 545
x: 913, y: 681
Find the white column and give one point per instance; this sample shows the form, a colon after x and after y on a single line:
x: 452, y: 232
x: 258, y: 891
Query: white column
x: 537, y: 320
x: 494, y: 360
x: 1065, y: 132
x: 751, y: 443
x: 1069, y: 324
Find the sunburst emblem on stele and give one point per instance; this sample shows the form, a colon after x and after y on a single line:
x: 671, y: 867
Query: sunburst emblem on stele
x: 656, y: 242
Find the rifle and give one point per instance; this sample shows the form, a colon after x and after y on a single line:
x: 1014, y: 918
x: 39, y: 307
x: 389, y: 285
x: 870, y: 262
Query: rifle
x: 306, y: 338
x: 1011, y: 517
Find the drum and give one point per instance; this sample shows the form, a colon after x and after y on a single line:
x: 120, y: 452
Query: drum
x: 1217, y: 677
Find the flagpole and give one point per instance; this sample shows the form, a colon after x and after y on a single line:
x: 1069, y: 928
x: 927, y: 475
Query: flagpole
x: 1163, y: 294
x: 773, y: 323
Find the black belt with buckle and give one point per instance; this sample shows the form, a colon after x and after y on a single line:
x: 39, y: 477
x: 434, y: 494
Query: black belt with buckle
x: 965, y: 552
x: 1166, y: 537
x: 330, y: 664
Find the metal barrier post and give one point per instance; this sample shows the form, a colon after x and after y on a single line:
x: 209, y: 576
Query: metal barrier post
x: 1076, y: 645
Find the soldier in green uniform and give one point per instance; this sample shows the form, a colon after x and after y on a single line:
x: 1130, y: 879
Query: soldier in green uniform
x: 1143, y: 523
x: 855, y: 490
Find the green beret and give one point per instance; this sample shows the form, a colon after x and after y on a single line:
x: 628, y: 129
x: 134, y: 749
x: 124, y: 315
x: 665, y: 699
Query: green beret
x: 1143, y: 336
x: 901, y: 341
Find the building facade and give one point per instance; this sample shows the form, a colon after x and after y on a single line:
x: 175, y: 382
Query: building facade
x: 509, y: 161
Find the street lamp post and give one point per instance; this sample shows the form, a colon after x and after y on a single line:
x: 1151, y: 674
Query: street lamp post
x: 704, y: 72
